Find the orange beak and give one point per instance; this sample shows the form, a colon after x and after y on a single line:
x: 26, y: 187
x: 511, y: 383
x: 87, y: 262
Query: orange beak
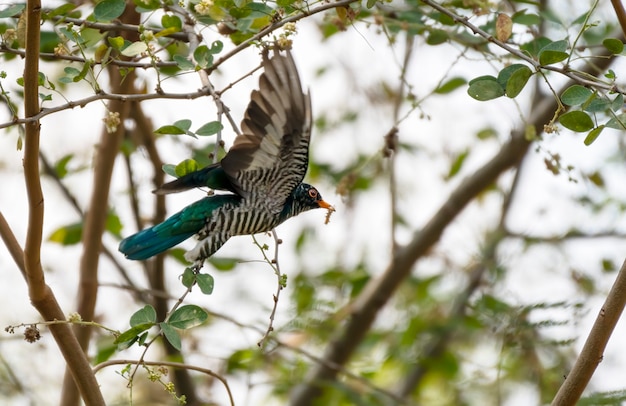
x: 325, y: 205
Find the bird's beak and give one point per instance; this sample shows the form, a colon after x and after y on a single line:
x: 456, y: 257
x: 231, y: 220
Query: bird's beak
x: 325, y: 205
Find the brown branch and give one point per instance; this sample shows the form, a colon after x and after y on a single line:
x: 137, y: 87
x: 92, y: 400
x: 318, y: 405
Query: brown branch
x: 592, y: 352
x: 618, y: 7
x: 95, y: 218
x: 41, y: 295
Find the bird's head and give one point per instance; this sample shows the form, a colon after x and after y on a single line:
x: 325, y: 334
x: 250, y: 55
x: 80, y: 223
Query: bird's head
x: 305, y: 197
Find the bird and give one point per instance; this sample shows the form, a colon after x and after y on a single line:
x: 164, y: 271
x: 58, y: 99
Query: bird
x: 261, y: 175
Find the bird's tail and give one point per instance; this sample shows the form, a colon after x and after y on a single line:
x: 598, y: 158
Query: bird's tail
x: 152, y: 241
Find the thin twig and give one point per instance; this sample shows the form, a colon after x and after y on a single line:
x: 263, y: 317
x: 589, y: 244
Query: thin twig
x: 207, y: 371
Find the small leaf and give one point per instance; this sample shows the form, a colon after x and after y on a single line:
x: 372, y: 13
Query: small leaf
x: 108, y: 10
x: 210, y: 128
x: 146, y: 314
x: 186, y: 166
x: 67, y: 235
x: 171, y: 335
x: 517, y: 81
x: 614, y: 45
x: 575, y: 95
x: 205, y: 283
x: 188, y: 316
x: 618, y: 102
x: 170, y: 129
x: 485, y: 88
x: 526, y: 19
x: 169, y: 169
x: 188, y: 277
x: 437, y: 37
x: 134, y: 49
x: 116, y: 42
x: 171, y: 21
x: 203, y: 57
x: 578, y: 121
x: 12, y: 10
x: 450, y: 85
x: 183, y: 124
x: 553, y: 52
x: 617, y: 123
x: 593, y: 135
x: 217, y: 46
x: 223, y: 263
x: 504, y: 27
x: 457, y: 164
x: 133, y: 333
x: 60, y: 167
x: 183, y: 63
x: 113, y: 224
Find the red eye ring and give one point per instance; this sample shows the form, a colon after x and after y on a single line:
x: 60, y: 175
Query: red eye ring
x: 313, y: 193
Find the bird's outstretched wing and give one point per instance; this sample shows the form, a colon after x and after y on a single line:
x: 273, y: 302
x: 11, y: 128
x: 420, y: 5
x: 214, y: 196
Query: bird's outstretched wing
x: 270, y: 158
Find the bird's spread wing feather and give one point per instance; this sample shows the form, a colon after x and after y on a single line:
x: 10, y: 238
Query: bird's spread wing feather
x: 270, y: 158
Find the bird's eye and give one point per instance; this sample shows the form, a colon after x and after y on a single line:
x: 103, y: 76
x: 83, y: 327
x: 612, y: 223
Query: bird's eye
x: 313, y: 193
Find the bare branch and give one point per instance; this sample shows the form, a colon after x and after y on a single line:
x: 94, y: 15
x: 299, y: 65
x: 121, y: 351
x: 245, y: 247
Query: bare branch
x: 593, y: 350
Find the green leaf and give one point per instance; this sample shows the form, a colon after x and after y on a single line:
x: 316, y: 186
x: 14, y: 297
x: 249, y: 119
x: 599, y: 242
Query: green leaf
x: 135, y: 49
x: 116, y: 42
x: 133, y: 333
x: 183, y: 124
x: 437, y: 37
x: 108, y: 10
x: 450, y: 85
x: 60, y: 167
x: 12, y: 10
x: 203, y: 57
x: 171, y: 335
x: 170, y: 129
x: 457, y: 164
x: 593, y: 135
x: 186, y: 166
x: 618, y: 102
x: 517, y: 81
x: 535, y: 46
x: 210, y: 128
x: 485, y: 88
x: 617, y: 123
x: 147, y: 314
x: 188, y: 278
x: 188, y: 316
x: 614, y: 45
x: 553, y: 52
x: 169, y: 169
x: 106, y: 348
x: 183, y: 63
x: 171, y: 21
x: 596, y: 104
x: 205, y: 283
x: 578, y: 121
x: 526, y: 19
x: 113, y: 224
x: 370, y: 3
x: 216, y: 47
x: 223, y: 264
x: 67, y: 235
x: 575, y: 95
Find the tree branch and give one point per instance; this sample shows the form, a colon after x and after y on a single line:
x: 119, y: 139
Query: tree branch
x: 591, y: 355
x: 41, y: 295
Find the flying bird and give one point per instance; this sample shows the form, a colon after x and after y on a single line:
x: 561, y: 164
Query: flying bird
x: 262, y: 173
